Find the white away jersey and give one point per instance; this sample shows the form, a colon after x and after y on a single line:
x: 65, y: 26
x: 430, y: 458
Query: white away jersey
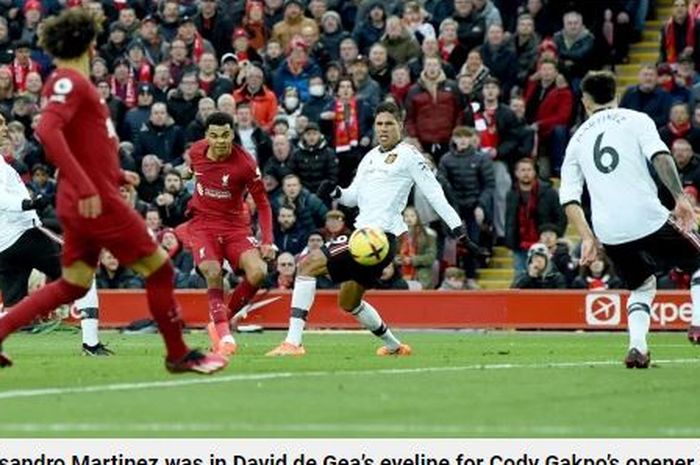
x: 382, y: 185
x: 610, y: 152
x: 13, y: 221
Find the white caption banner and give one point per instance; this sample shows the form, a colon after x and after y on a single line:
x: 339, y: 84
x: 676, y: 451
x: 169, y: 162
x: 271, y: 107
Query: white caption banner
x: 349, y: 452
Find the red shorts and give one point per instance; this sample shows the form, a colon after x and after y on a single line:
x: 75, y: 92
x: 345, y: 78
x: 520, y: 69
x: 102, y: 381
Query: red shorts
x: 212, y: 243
x: 120, y: 230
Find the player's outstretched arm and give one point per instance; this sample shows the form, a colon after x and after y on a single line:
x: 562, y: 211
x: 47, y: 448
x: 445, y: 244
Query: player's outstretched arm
x: 50, y: 133
x: 425, y: 180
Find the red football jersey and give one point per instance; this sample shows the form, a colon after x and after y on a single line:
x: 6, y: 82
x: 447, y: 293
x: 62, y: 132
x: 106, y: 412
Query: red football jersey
x: 220, y: 187
x: 80, y: 140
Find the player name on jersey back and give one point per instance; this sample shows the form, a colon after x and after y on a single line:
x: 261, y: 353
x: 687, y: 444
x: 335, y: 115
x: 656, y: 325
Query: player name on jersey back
x: 611, y: 152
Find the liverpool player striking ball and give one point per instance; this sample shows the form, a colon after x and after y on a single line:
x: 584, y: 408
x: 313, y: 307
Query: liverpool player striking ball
x: 80, y: 140
x: 220, y: 226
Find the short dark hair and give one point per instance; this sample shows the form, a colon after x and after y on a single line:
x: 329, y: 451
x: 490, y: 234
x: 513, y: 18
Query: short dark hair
x: 492, y: 80
x: 527, y: 161
x: 600, y: 86
x: 391, y: 108
x: 173, y: 172
x: 70, y: 34
x: 218, y: 118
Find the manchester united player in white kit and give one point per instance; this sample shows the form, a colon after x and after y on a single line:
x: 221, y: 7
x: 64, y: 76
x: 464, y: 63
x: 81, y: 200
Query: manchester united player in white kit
x: 610, y: 153
x: 380, y: 190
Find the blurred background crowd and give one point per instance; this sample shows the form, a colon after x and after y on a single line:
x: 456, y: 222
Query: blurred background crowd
x: 490, y: 90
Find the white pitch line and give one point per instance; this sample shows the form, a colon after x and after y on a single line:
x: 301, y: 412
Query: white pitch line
x: 101, y: 388
x: 345, y: 428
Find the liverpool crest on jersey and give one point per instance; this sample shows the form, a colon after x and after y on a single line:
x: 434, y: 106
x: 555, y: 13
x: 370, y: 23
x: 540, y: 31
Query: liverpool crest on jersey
x: 224, y: 180
x: 391, y: 158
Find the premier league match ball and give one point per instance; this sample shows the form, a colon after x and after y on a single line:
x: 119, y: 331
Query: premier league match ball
x: 368, y: 246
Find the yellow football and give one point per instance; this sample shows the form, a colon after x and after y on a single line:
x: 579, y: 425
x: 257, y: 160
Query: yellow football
x: 368, y: 246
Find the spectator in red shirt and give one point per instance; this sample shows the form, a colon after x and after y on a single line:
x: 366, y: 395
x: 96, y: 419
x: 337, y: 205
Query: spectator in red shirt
x: 549, y: 105
x: 262, y: 101
x: 433, y: 109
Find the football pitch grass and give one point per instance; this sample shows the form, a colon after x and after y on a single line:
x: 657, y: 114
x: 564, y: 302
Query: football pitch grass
x: 457, y: 384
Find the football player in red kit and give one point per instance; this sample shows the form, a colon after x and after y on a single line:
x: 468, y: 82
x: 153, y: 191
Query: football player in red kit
x: 220, y: 226
x: 80, y: 140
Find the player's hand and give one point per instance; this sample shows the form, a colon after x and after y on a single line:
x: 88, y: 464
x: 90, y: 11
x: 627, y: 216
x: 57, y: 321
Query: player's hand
x: 90, y: 207
x: 479, y: 215
x: 37, y: 203
x: 685, y: 214
x: 589, y: 251
x: 131, y: 178
x: 268, y: 251
x: 328, y: 191
x: 460, y: 233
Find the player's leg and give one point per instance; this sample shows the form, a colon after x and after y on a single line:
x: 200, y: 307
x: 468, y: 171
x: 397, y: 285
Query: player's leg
x: 638, y: 323
x: 126, y: 236
x: 682, y: 249
x: 49, y: 263
x: 72, y: 285
x: 255, y: 270
x: 159, y: 274
x: 208, y: 256
x: 631, y: 261
x: 243, y: 256
x: 350, y: 300
x: 213, y: 275
x: 88, y: 308
x: 313, y: 265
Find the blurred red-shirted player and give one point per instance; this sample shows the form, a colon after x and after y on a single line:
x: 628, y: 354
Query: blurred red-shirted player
x: 80, y: 140
x: 220, y: 225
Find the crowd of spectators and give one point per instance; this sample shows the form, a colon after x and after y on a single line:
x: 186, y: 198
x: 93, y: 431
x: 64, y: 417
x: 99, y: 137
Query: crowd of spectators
x: 489, y: 88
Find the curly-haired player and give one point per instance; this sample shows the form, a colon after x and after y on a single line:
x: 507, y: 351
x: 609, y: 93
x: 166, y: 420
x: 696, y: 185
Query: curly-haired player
x: 81, y: 141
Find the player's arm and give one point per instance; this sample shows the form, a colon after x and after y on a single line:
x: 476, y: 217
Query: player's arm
x: 570, y: 191
x: 17, y: 200
x: 59, y: 111
x: 665, y: 167
x: 257, y: 191
x: 426, y: 181
x: 10, y: 200
x: 329, y: 189
x: 656, y: 151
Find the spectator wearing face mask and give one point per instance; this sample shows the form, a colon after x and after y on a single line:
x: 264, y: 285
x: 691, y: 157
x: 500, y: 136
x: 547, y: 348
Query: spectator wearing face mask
x: 290, y: 108
x: 319, y: 99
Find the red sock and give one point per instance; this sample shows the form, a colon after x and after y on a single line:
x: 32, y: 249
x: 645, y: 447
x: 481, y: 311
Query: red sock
x: 39, y: 303
x: 217, y: 312
x: 161, y: 302
x: 240, y: 297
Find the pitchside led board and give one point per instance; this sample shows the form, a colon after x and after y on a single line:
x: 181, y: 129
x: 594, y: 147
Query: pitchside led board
x: 512, y: 309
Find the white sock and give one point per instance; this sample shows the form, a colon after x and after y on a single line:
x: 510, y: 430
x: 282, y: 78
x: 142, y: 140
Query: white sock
x: 638, y: 323
x: 89, y: 326
x: 302, y: 299
x: 695, y: 297
x: 370, y: 319
x: 88, y: 306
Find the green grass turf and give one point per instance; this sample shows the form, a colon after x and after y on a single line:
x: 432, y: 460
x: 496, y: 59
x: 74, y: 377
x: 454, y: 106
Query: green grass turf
x: 496, y: 384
